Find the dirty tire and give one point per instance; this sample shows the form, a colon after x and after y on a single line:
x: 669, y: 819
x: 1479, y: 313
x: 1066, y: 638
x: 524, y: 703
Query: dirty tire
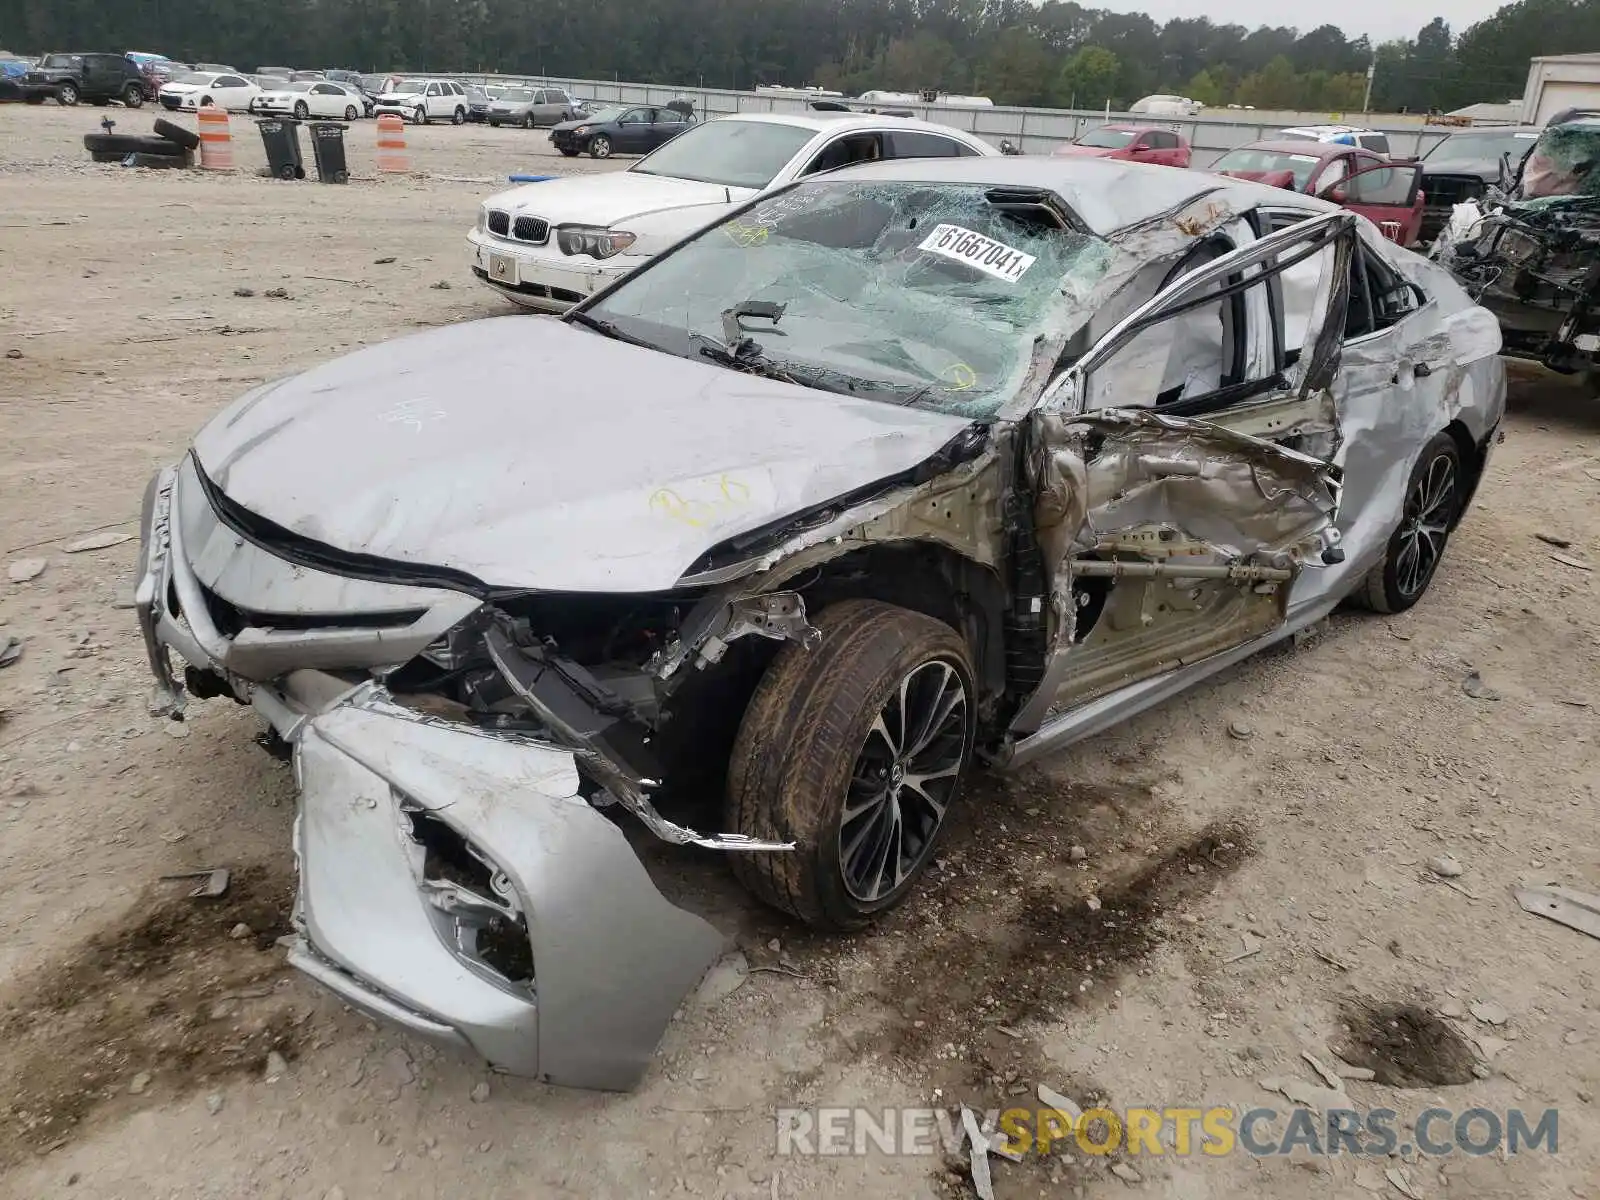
x: 133, y: 96
x: 157, y: 162
x: 1394, y: 585
x: 67, y: 94
x: 799, y: 743
x: 600, y: 147
x: 122, y: 144
x: 186, y: 138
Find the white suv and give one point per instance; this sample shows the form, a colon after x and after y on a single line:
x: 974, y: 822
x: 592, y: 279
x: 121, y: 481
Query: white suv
x: 549, y: 245
x: 424, y: 100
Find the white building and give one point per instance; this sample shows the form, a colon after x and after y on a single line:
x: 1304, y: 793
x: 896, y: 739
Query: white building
x: 1558, y: 82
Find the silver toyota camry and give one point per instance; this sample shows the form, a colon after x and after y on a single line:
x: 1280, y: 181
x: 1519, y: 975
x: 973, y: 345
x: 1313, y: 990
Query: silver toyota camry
x: 763, y: 549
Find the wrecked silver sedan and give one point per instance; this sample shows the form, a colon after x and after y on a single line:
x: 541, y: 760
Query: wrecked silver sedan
x: 917, y: 465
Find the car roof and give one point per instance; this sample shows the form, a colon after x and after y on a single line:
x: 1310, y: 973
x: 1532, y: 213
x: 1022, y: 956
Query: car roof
x: 821, y: 119
x: 1328, y: 130
x: 1107, y: 194
x: 1305, y: 149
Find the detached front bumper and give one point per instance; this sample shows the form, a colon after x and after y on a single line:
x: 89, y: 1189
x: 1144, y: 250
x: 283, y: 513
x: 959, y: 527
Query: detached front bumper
x: 451, y: 881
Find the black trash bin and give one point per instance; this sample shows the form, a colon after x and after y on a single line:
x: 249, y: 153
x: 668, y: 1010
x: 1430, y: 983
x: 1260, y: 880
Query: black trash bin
x: 327, y: 147
x: 281, y: 138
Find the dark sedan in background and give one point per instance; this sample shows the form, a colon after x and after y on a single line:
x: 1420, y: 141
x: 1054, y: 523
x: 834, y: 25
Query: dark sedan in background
x: 1464, y: 166
x: 623, y: 130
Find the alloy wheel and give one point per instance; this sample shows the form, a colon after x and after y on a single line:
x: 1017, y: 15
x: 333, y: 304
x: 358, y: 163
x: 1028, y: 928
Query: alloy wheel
x: 1429, y: 511
x: 903, y: 780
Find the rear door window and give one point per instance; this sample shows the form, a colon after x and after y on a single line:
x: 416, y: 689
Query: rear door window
x: 913, y: 144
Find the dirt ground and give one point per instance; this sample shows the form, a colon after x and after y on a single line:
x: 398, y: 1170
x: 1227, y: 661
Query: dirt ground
x: 1257, y: 850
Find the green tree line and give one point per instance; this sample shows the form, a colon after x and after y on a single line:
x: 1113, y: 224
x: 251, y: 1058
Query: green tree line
x: 1013, y: 51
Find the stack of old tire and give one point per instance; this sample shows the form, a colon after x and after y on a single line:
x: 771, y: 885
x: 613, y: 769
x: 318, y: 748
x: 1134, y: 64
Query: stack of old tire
x: 169, y: 146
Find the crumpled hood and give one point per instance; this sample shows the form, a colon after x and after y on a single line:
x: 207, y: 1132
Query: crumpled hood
x: 530, y: 453
x: 606, y: 199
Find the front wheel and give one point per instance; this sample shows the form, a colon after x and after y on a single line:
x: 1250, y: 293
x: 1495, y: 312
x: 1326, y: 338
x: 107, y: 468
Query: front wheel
x: 420, y: 116
x: 854, y: 751
x: 301, y: 112
x: 1433, y: 501
x: 67, y: 94
x: 133, y: 96
x: 349, y: 112
x: 600, y: 147
x: 527, y: 120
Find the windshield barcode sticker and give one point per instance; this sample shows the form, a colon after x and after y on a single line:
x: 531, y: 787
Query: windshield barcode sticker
x: 986, y: 254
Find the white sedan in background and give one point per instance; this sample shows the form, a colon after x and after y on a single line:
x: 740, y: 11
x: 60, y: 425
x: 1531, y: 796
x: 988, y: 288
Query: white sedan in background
x: 549, y: 245
x: 303, y: 98
x: 203, y: 89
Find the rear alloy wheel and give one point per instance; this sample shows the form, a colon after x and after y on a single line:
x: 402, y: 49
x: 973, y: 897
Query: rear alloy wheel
x: 67, y: 94
x: 459, y: 117
x: 1432, y: 503
x: 600, y: 146
x: 854, y: 751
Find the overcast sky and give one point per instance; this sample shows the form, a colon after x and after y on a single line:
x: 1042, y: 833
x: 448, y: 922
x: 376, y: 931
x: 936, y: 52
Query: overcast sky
x: 1378, y: 19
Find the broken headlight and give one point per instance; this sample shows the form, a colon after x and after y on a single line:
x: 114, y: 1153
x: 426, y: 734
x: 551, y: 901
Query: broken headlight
x: 593, y: 240
x: 475, y: 907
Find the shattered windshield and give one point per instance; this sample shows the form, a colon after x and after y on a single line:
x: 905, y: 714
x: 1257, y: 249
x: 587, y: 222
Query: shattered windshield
x: 1267, y: 161
x: 925, y: 294
x: 1565, y: 161
x: 1106, y: 139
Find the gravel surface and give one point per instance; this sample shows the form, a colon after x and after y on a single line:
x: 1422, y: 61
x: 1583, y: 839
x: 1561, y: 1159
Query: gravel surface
x: 1166, y: 915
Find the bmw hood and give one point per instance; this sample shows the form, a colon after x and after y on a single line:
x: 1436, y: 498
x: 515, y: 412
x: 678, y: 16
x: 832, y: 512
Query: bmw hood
x: 531, y: 453
x: 609, y: 198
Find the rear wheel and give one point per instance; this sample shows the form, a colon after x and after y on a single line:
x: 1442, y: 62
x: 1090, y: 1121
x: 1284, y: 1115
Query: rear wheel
x: 600, y: 146
x: 458, y: 117
x: 1433, y: 500
x: 854, y: 751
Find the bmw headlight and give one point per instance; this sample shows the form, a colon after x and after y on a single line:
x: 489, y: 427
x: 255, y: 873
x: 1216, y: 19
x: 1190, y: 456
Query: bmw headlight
x: 594, y: 240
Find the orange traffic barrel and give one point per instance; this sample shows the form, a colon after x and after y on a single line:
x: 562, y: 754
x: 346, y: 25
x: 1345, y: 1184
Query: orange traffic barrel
x: 216, y: 143
x: 392, y: 156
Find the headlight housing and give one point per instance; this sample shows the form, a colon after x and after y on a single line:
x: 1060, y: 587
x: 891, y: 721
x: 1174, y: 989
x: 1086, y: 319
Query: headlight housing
x: 594, y: 240
x: 580, y: 131
x: 483, y: 217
